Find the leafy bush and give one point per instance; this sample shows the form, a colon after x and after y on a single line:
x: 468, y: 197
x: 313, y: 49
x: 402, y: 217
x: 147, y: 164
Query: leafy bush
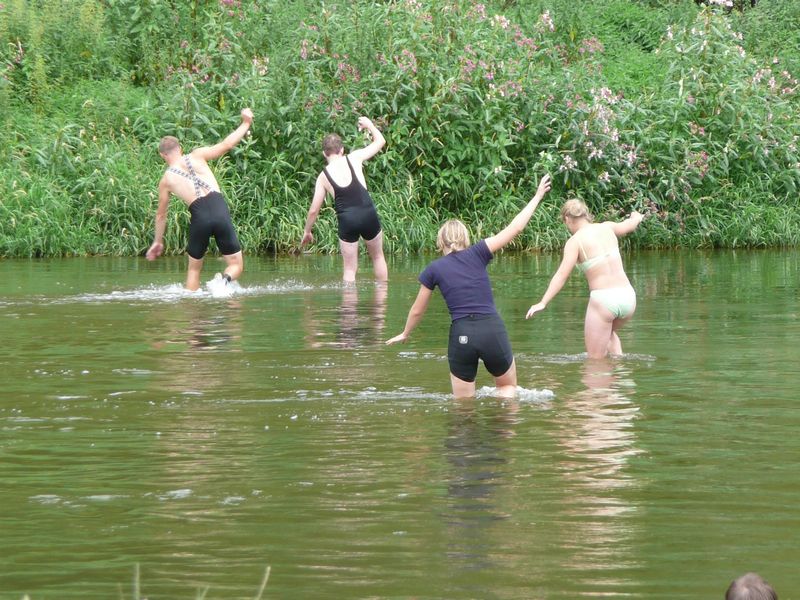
x: 628, y: 105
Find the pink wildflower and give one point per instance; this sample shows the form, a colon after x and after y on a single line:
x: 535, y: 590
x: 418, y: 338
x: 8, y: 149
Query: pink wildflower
x: 568, y: 164
x: 546, y: 20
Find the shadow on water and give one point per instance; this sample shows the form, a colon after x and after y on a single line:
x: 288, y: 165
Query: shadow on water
x: 476, y: 451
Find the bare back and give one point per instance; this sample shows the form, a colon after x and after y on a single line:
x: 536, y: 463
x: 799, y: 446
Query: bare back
x: 184, y: 187
x: 598, y: 256
x: 340, y: 173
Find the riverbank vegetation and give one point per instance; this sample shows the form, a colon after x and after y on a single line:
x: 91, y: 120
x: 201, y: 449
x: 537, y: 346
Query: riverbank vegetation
x: 684, y: 111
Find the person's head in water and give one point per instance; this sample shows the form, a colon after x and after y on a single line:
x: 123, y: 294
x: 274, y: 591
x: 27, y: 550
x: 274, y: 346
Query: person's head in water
x: 332, y: 145
x: 750, y: 586
x: 574, y: 210
x: 168, y: 145
x: 452, y: 237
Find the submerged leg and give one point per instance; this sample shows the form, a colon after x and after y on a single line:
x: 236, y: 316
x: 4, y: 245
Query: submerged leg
x: 461, y: 388
x: 615, y: 344
x: 597, y: 329
x: 375, y: 249
x: 235, y: 264
x: 350, y: 257
x: 507, y: 382
x: 193, y: 273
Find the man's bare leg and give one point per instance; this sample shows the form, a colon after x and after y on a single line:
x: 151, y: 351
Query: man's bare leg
x: 235, y: 264
x: 193, y: 274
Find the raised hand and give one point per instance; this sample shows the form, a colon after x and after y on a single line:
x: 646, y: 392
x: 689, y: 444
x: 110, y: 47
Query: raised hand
x: 544, y: 186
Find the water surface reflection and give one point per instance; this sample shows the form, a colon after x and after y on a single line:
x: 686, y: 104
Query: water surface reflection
x: 598, y: 439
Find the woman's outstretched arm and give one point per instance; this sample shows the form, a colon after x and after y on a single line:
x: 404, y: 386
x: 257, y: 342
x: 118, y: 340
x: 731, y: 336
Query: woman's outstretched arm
x: 559, y: 279
x: 414, y: 315
x: 500, y: 240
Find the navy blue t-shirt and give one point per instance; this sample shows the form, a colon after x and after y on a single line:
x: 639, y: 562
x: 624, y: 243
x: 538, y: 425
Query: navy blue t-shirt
x: 463, y: 281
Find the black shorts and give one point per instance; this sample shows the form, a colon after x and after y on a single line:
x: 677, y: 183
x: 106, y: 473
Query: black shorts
x: 479, y: 337
x: 210, y: 216
x: 358, y: 221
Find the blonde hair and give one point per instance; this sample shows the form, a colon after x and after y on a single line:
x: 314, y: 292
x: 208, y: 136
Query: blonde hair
x: 575, y: 209
x: 167, y: 144
x: 452, y: 237
x: 331, y: 144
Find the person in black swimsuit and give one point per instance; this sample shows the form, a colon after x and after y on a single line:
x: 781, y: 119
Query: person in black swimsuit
x: 343, y: 179
x: 189, y: 177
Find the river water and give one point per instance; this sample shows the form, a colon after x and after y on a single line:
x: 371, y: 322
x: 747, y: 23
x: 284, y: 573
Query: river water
x: 198, y: 440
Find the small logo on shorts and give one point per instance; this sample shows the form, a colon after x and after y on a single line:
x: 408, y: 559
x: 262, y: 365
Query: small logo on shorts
x: 463, y: 339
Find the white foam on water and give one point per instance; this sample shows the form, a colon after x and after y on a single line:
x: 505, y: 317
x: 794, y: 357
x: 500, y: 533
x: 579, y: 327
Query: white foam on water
x: 176, y: 494
x: 46, y: 499
x: 175, y: 292
x: 523, y: 394
x: 232, y: 500
x: 104, y: 497
x: 132, y: 371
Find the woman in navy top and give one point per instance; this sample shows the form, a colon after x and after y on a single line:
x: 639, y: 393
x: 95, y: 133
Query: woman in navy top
x: 476, y: 331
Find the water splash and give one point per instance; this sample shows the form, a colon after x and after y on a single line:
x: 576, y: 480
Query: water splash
x: 174, y: 292
x: 523, y: 394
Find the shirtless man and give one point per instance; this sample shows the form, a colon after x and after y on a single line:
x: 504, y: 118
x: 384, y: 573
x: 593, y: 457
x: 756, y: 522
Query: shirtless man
x: 189, y: 177
x: 343, y: 179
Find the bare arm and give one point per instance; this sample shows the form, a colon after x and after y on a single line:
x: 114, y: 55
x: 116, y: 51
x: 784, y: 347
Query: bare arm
x: 211, y: 152
x: 378, y: 141
x: 559, y: 279
x: 628, y: 225
x: 414, y: 315
x: 313, y: 211
x: 161, y: 221
x: 500, y: 240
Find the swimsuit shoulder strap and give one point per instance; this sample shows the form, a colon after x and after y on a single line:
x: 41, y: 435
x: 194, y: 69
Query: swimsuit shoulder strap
x: 330, y: 179
x: 581, y: 251
x: 352, y: 172
x: 354, y: 179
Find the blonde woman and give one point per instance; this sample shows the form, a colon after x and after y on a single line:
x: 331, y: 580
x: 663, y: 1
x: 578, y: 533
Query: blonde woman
x: 594, y: 249
x: 476, y: 331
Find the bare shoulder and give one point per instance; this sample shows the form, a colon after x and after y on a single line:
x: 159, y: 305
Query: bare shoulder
x: 322, y: 182
x: 200, y: 154
x: 357, y: 157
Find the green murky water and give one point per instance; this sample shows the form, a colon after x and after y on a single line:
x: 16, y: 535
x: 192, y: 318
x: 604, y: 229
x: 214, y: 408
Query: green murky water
x: 204, y: 439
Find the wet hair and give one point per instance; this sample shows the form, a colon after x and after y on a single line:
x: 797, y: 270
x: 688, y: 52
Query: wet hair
x: 167, y: 144
x: 331, y: 144
x: 750, y: 586
x: 575, y: 209
x: 452, y: 237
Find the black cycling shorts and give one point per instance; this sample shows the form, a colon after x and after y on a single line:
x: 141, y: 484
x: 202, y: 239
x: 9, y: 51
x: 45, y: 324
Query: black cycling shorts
x: 210, y: 216
x: 481, y: 337
x: 359, y: 221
